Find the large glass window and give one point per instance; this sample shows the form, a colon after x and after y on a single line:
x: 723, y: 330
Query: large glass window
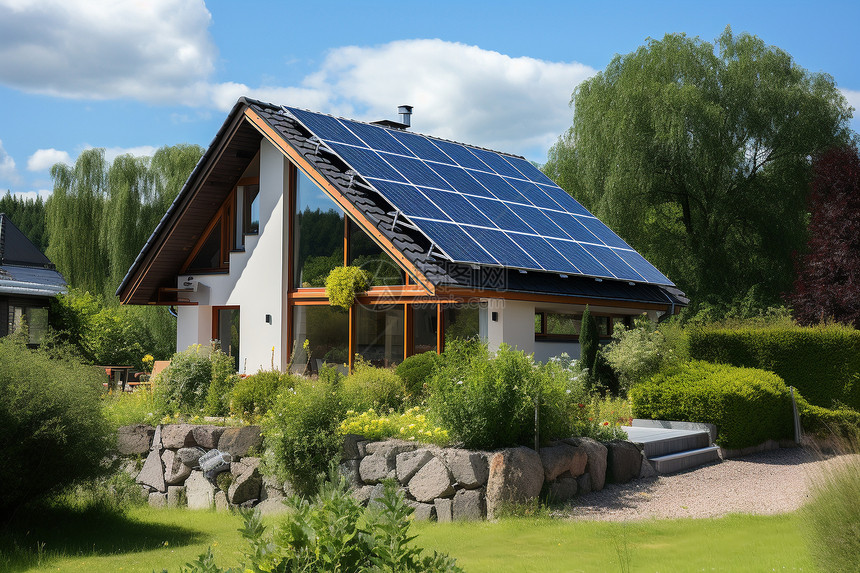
x: 379, y: 334
x: 568, y: 325
x: 227, y: 332
x: 209, y: 255
x: 462, y: 322
x: 366, y: 254
x: 251, y: 209
x: 326, y: 329
x: 424, y: 328
x: 317, y: 235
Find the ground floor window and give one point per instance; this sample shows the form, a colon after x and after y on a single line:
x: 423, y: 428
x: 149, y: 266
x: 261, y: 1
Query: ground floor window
x: 379, y: 334
x: 226, y: 332
x: 424, y: 328
x: 326, y: 330
x: 567, y: 326
x: 462, y: 322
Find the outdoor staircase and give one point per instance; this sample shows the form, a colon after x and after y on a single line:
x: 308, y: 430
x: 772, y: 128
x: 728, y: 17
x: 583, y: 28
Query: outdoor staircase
x: 670, y: 448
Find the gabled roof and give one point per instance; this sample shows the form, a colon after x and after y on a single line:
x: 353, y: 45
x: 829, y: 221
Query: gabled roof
x: 24, y: 269
x: 361, y: 192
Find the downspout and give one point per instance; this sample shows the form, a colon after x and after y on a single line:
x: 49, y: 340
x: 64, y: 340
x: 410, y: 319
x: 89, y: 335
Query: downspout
x: 671, y: 308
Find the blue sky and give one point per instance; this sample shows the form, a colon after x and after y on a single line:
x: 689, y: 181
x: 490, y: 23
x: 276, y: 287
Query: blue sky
x: 131, y: 76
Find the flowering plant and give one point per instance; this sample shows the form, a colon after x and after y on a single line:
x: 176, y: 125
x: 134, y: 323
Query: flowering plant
x: 410, y: 425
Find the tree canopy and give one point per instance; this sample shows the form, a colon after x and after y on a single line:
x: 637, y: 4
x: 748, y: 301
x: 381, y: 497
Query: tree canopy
x: 698, y: 155
x: 828, y: 275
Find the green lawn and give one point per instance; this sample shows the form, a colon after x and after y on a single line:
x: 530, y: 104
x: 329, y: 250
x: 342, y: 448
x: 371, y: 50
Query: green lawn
x: 147, y: 540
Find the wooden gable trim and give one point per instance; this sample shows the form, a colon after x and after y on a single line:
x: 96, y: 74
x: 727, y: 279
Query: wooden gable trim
x: 201, y: 179
x: 549, y: 298
x: 335, y: 195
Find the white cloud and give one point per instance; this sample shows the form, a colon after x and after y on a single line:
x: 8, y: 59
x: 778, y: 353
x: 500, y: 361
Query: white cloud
x: 153, y: 51
x: 853, y: 97
x: 8, y: 173
x: 459, y: 92
x: 46, y: 158
x: 43, y: 193
x: 112, y: 153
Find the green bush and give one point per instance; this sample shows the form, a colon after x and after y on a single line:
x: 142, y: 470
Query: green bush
x: 747, y: 405
x: 488, y: 401
x: 638, y: 353
x: 343, y: 283
x: 370, y: 387
x: 254, y: 395
x: 822, y: 362
x: 589, y: 343
x: 220, y: 392
x: 333, y: 532
x: 841, y: 423
x: 832, y: 517
x: 416, y: 372
x: 52, y: 429
x: 183, y: 386
x: 126, y: 408
x: 300, y: 432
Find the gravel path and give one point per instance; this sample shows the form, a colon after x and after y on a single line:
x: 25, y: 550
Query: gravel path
x: 768, y: 482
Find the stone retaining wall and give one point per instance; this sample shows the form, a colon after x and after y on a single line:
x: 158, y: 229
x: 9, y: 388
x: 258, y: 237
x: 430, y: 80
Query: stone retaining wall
x: 445, y: 484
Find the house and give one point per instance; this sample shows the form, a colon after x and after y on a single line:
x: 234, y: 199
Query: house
x: 460, y: 241
x: 28, y: 280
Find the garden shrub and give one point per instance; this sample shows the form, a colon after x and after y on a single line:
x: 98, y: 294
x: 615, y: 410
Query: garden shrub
x: 638, y: 353
x: 333, y: 532
x: 300, y: 432
x: 52, y: 429
x: 822, y: 362
x: 748, y: 406
x: 370, y: 387
x: 253, y: 396
x: 220, y: 393
x: 410, y: 425
x: 602, y: 418
x: 126, y: 408
x: 416, y: 372
x: 182, y: 387
x: 842, y: 423
x: 589, y: 343
x: 488, y: 401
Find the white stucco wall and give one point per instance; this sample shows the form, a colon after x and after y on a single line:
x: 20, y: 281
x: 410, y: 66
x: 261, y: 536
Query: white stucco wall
x: 514, y: 324
x: 256, y: 280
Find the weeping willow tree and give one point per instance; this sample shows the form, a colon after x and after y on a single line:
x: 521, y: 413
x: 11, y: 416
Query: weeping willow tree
x: 101, y: 214
x: 698, y: 155
x: 98, y: 219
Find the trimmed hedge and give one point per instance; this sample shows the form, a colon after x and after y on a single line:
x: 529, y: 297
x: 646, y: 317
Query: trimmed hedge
x: 822, y: 362
x: 748, y: 406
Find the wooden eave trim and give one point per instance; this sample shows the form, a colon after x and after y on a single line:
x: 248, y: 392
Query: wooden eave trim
x: 182, y: 208
x: 444, y: 291
x: 335, y: 195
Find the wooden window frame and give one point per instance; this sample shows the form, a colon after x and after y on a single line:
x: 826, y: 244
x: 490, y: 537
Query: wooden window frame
x: 225, y: 215
x: 543, y: 336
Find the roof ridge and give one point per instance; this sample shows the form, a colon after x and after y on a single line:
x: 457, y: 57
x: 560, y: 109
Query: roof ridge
x: 283, y: 107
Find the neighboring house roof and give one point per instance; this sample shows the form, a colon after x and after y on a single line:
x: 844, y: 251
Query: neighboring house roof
x: 336, y: 159
x: 24, y: 269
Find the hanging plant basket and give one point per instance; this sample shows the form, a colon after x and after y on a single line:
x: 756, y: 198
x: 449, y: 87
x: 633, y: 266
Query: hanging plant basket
x: 344, y: 283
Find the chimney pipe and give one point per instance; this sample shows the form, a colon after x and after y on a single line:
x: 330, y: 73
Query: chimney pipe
x: 405, y: 112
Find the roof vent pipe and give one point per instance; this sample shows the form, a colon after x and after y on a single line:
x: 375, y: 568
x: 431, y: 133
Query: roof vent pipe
x: 405, y: 112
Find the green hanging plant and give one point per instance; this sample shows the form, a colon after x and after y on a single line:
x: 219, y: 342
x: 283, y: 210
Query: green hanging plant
x: 343, y: 283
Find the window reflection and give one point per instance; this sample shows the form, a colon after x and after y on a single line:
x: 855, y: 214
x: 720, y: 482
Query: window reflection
x: 317, y: 235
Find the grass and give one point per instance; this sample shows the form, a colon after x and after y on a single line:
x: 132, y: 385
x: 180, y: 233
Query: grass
x: 146, y: 539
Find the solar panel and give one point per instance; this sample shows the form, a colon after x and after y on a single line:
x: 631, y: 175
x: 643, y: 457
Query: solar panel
x: 478, y: 206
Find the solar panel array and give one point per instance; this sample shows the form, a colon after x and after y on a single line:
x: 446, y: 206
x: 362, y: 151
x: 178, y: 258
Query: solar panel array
x: 481, y: 207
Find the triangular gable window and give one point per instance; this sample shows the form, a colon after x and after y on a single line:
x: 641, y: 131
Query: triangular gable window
x: 209, y: 255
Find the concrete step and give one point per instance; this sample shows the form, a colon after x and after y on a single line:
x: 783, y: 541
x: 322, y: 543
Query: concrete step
x: 679, y: 461
x: 662, y: 442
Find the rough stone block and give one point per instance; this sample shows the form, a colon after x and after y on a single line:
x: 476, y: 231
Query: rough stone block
x: 221, y: 503
x: 596, y: 466
x: 444, y: 510
x: 516, y: 476
x: 562, y: 489
x: 175, y: 472
x: 374, y: 468
x: 390, y: 448
x: 349, y: 470
x: 563, y: 458
x: 583, y: 484
x: 408, y: 464
x: 422, y: 511
x: 152, y: 474
x: 623, y: 461
x: 469, y: 469
x: 158, y: 499
x: 246, y: 486
x: 240, y: 441
x: 647, y: 469
x: 199, y: 492
x: 272, y: 506
x: 156, y: 439
x: 376, y: 492
x: 176, y: 496
x: 134, y: 440
x: 189, y: 456
x: 175, y: 436
x: 207, y: 436
x: 351, y: 450
x: 362, y: 494
x: 469, y: 505
x: 432, y: 480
